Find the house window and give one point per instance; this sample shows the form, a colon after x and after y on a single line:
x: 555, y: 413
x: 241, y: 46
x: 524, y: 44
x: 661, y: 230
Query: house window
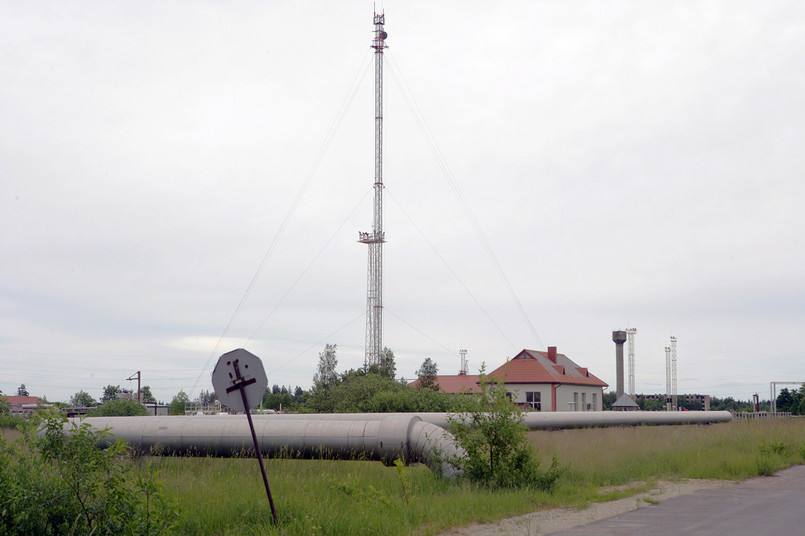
x: 575, y: 401
x: 533, y: 399
x: 595, y: 402
x: 583, y: 401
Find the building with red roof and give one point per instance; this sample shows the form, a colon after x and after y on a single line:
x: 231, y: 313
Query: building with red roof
x: 22, y: 405
x: 460, y: 383
x: 538, y: 381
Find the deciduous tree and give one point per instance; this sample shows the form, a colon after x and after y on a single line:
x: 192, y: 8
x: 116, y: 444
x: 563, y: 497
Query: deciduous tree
x: 110, y: 392
x: 387, y: 367
x: 147, y: 397
x: 82, y: 398
x: 427, y: 375
x: 119, y: 408
x: 326, y: 376
x: 179, y: 403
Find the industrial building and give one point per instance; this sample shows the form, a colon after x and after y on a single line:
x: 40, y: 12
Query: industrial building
x: 537, y: 381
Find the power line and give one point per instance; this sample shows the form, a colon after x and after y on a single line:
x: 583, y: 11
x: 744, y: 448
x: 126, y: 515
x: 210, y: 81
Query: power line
x: 309, y: 348
x: 450, y: 269
x: 292, y: 209
x: 420, y: 331
x: 419, y: 119
x: 310, y: 264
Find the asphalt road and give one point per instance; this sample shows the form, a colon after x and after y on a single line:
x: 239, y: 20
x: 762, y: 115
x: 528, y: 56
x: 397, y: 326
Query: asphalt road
x: 756, y: 507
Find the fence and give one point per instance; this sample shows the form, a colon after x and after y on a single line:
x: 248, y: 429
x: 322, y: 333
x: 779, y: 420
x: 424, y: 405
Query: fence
x: 745, y: 416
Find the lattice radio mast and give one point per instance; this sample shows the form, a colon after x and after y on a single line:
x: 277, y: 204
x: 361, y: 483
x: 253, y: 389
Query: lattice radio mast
x: 376, y: 238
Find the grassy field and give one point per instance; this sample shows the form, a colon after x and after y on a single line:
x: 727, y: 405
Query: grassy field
x: 226, y: 496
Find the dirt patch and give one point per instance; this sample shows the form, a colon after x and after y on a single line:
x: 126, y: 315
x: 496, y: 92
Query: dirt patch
x: 10, y: 434
x: 548, y: 521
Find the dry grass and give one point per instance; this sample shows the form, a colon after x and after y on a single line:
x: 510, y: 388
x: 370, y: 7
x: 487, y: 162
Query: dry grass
x: 10, y: 434
x: 735, y: 450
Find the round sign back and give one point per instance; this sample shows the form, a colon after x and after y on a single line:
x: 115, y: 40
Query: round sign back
x: 238, y: 370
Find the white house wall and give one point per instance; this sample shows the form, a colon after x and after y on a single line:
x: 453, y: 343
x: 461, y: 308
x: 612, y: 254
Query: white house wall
x: 579, y: 398
x: 568, y: 397
x: 519, y: 391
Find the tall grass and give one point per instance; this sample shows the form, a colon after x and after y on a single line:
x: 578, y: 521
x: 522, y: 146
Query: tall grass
x: 226, y: 496
x: 733, y: 451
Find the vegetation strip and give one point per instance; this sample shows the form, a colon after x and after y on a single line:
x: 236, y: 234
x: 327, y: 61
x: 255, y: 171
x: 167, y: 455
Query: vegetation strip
x: 216, y: 496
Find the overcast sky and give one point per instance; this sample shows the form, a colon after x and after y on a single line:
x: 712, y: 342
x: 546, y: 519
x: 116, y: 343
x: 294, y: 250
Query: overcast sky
x: 631, y: 164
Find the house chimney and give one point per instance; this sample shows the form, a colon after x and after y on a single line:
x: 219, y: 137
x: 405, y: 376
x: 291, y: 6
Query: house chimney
x: 619, y: 337
x: 552, y: 353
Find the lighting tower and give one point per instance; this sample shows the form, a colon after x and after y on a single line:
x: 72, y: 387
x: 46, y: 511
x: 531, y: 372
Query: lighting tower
x: 375, y: 238
x: 630, y: 333
x: 673, y: 371
x: 668, y: 378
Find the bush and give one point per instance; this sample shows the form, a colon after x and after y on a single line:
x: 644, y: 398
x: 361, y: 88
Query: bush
x: 13, y: 421
x: 61, y: 483
x: 118, y: 408
x: 497, y: 450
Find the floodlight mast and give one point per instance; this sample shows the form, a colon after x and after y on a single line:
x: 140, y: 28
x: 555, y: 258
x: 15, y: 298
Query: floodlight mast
x: 630, y: 333
x: 673, y: 372
x: 376, y: 238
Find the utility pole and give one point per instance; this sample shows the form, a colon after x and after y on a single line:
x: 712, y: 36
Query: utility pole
x: 376, y: 238
x: 139, y: 396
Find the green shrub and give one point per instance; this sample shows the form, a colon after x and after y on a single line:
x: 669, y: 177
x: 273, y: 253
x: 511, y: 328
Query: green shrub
x: 13, y: 421
x: 62, y: 483
x: 495, y: 441
x: 119, y: 408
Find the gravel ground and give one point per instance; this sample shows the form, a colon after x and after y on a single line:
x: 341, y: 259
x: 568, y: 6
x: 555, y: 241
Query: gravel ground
x: 548, y: 521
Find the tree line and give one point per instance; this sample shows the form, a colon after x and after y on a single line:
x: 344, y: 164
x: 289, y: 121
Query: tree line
x: 374, y: 388
x: 793, y: 401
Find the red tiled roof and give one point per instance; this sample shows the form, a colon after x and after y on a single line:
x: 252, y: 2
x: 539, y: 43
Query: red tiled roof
x: 461, y: 383
x: 531, y: 366
x: 17, y: 401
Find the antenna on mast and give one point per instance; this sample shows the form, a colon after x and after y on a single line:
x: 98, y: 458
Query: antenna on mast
x: 376, y: 238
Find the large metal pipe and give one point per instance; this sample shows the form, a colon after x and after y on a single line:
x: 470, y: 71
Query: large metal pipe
x: 403, y: 436
x: 375, y: 436
x: 536, y: 420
